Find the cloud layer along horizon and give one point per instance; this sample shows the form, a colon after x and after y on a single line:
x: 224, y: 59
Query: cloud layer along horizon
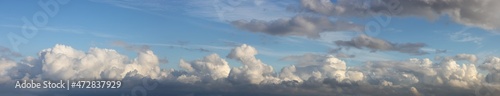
x: 458, y: 75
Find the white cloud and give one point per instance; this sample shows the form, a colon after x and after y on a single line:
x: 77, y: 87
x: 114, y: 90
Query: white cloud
x: 6, y: 67
x: 469, y: 57
x: 319, y: 68
x: 253, y: 70
x: 493, y: 66
x: 188, y: 79
x: 414, y: 91
x: 211, y: 67
x: 324, y: 73
x: 64, y: 62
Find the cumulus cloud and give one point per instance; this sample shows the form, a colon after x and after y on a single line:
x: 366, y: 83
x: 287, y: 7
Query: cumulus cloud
x: 309, y: 26
x: 65, y: 63
x: 414, y: 91
x: 469, y: 57
x: 375, y: 44
x: 493, y: 66
x: 312, y: 74
x: 478, y: 13
x: 320, y: 68
x: 253, y: 70
x: 212, y: 67
x: 446, y: 72
x: 6, y: 67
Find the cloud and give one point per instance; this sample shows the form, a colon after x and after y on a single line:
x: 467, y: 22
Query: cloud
x: 227, y: 10
x: 137, y: 48
x: 65, y: 63
x: 185, y: 46
x: 212, y: 67
x: 145, y: 6
x: 253, y: 70
x: 469, y: 57
x: 319, y: 68
x: 188, y: 79
x: 7, y: 53
x: 305, y: 59
x: 312, y: 74
x: 439, y: 51
x: 6, y: 67
x: 424, y: 75
x: 414, y: 91
x: 343, y: 55
x: 308, y: 26
x: 493, y: 66
x: 375, y: 44
x: 478, y: 13
x: 464, y: 36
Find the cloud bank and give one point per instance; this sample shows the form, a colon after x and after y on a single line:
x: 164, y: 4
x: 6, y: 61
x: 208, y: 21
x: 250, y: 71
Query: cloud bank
x: 309, y: 26
x: 376, y: 44
x: 312, y: 74
x: 478, y: 13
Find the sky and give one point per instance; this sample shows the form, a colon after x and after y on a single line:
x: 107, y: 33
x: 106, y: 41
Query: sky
x: 254, y: 47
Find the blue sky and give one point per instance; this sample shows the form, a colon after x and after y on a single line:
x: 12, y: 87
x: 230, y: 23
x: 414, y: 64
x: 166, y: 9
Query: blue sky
x: 323, y: 34
x: 83, y: 24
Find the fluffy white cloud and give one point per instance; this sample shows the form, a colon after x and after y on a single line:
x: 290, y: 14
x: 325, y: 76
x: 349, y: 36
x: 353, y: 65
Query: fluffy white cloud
x: 324, y: 73
x: 188, y: 79
x: 493, y: 66
x: 211, y: 67
x: 253, y: 70
x: 463, y: 76
x: 469, y: 57
x: 324, y: 67
x: 6, y: 67
x: 64, y: 62
x: 414, y: 91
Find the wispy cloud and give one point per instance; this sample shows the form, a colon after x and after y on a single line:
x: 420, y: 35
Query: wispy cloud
x: 188, y: 47
x: 142, y: 5
x: 70, y: 31
x: 465, y: 35
x: 230, y: 10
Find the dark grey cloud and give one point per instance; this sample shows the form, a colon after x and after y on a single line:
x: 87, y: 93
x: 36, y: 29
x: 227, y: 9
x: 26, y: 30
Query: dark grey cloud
x: 478, y: 13
x: 375, y: 44
x: 343, y: 55
x: 493, y: 66
x: 309, y: 26
x: 438, y: 51
x: 180, y: 44
x: 305, y: 59
x: 132, y: 47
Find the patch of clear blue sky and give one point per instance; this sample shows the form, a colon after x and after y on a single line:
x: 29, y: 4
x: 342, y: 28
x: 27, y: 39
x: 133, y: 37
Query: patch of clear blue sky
x: 99, y: 24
